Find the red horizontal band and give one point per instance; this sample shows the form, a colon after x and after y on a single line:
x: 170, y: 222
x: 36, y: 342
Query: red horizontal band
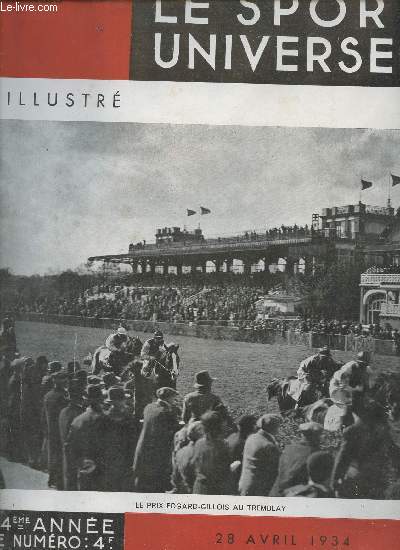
x: 202, y: 532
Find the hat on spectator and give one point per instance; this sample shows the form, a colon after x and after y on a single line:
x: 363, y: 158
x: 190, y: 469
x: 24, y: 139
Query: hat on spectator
x: 202, y: 379
x: 324, y: 350
x: 94, y: 393
x: 93, y: 380
x: 166, y: 393
x: 363, y: 357
x: 60, y: 376
x: 80, y: 375
x: 269, y: 422
x: 115, y: 393
x: 54, y: 366
x: 310, y: 428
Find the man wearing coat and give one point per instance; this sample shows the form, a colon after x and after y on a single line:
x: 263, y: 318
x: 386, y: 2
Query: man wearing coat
x: 119, y: 436
x: 83, y: 447
x: 293, y: 461
x: 211, y: 460
x: 74, y: 408
x: 198, y: 402
x: 260, y: 458
x: 54, y: 401
x: 152, y: 465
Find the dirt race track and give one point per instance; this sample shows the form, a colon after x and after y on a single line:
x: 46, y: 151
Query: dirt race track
x: 243, y: 370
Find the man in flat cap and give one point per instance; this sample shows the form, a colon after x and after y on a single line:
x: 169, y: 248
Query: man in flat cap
x: 83, y: 447
x: 211, y: 460
x: 202, y: 399
x: 183, y: 468
x: 293, y: 460
x: 119, y: 437
x: 261, y: 458
x: 54, y: 401
x: 74, y: 408
x: 152, y: 464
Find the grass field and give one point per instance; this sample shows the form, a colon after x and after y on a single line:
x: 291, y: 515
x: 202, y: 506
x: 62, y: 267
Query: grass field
x: 243, y: 370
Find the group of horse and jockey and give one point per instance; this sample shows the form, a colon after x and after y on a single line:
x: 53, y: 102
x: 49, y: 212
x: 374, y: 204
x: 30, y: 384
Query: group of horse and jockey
x: 125, y: 355
x: 326, y: 386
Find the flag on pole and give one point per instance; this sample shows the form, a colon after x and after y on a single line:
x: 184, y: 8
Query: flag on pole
x: 190, y: 212
x: 365, y: 184
x: 395, y: 180
x: 204, y: 210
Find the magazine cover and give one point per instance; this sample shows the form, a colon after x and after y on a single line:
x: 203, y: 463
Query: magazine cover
x: 199, y: 274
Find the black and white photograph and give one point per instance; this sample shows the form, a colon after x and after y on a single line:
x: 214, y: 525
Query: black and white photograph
x: 194, y: 309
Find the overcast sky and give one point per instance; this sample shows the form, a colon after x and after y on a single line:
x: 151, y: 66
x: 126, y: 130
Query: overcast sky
x: 72, y: 190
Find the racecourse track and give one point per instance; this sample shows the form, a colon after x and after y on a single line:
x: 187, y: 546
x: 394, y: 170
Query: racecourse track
x: 242, y: 369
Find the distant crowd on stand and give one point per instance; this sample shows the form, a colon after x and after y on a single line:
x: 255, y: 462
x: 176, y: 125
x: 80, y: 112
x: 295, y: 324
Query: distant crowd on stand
x: 92, y: 437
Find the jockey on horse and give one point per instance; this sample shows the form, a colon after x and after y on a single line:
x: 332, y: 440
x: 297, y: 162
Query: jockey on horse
x: 160, y: 361
x: 313, y: 377
x: 118, y: 351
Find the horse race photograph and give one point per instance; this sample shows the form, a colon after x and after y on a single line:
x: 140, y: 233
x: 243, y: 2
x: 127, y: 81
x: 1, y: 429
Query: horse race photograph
x: 193, y: 309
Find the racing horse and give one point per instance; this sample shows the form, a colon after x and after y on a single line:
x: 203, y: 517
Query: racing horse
x: 164, y: 370
x: 110, y: 361
x: 285, y: 390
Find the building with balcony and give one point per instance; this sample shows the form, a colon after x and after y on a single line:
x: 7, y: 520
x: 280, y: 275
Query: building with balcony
x: 380, y: 296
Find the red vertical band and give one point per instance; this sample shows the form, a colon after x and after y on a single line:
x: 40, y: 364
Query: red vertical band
x: 82, y: 39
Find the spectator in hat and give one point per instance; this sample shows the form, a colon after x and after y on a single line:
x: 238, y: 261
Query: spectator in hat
x: 80, y: 379
x: 83, y: 446
x: 54, y: 401
x: 201, y: 400
x: 16, y: 451
x: 8, y: 340
x: 152, y: 464
x: 319, y: 469
x: 47, y: 382
x: 74, y: 408
x: 236, y: 441
x: 261, y: 458
x: 182, y: 478
x: 293, y: 460
x: 119, y: 438
x: 31, y: 411
x: 211, y: 461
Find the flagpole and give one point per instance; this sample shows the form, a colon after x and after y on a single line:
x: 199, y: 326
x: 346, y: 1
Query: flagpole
x: 389, y: 182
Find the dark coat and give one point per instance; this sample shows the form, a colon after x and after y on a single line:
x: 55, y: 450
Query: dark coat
x: 182, y: 478
x: 196, y: 403
x: 84, y: 443
x: 54, y: 401
x: 152, y: 465
x: 235, y: 443
x: 292, y: 467
x: 67, y: 415
x: 211, y: 467
x: 119, y: 438
x: 260, y: 464
x: 360, y: 469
